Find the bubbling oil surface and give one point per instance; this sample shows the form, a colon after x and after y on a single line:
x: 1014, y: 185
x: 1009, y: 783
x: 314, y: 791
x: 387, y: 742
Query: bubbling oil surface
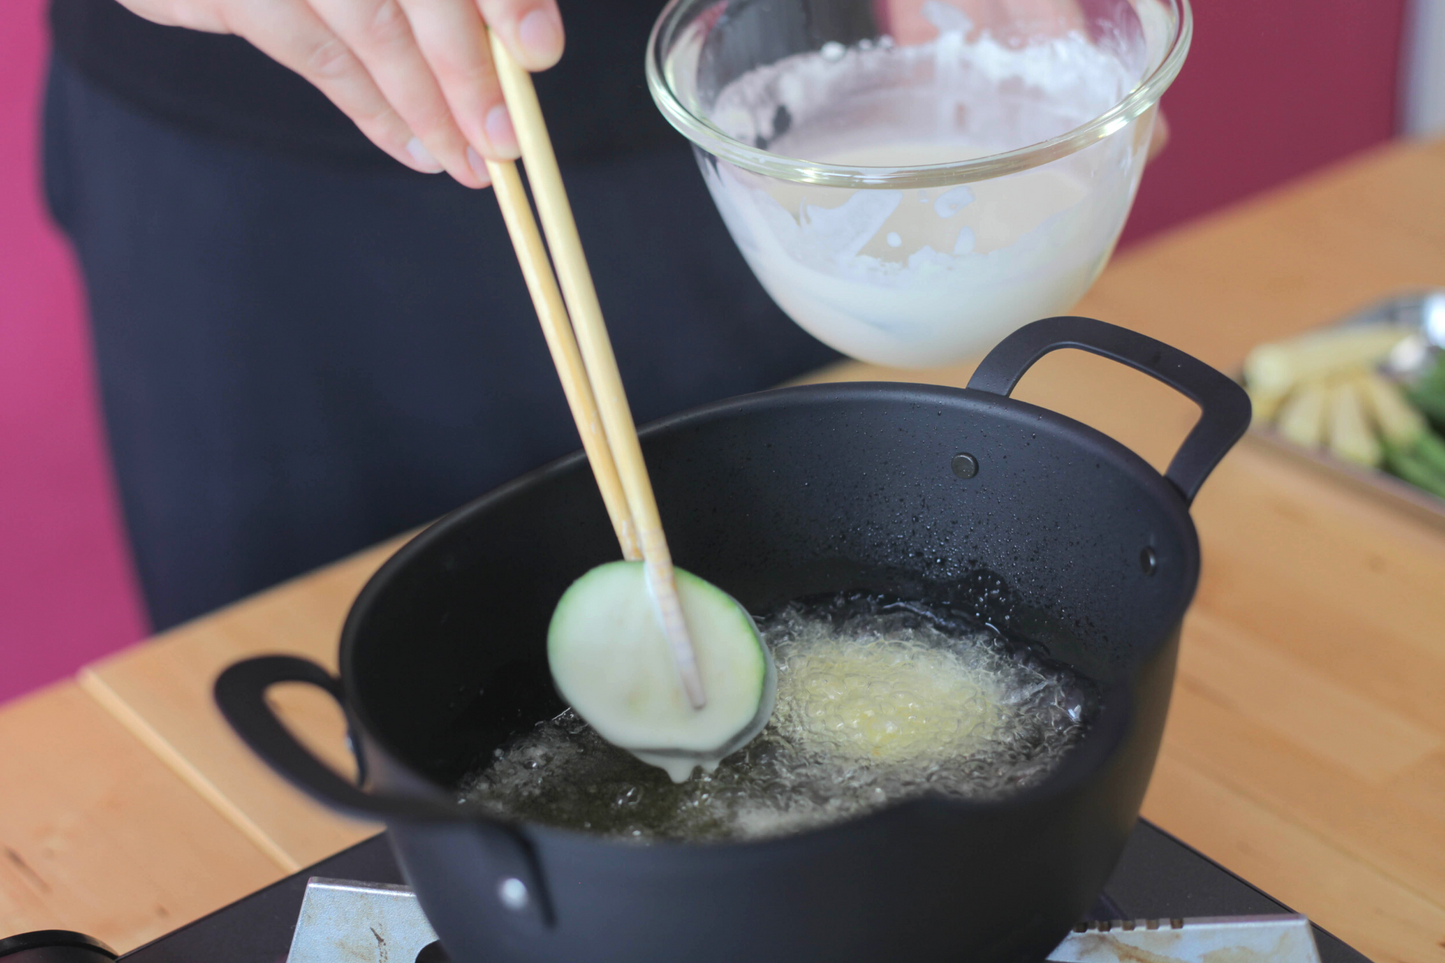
x: 878, y: 701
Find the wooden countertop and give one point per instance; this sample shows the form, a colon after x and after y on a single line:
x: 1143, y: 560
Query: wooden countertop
x: 1306, y: 744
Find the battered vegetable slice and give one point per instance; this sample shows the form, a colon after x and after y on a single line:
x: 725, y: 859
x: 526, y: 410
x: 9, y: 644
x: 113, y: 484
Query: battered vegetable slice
x: 610, y: 659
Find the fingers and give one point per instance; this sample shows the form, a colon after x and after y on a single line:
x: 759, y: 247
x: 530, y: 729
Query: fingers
x: 906, y: 22
x: 1043, y: 18
x: 531, y: 29
x: 453, y: 39
x: 415, y: 75
x: 380, y: 34
x: 291, y: 33
x: 1159, y: 138
x: 452, y: 36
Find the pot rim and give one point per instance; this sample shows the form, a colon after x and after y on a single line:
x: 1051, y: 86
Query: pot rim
x: 1093, y: 751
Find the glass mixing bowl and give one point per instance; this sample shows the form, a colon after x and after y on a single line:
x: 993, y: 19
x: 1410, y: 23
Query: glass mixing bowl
x: 911, y: 179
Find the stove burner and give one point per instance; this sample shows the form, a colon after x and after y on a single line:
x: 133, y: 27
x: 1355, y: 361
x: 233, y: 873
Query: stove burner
x: 348, y: 922
x: 343, y: 921
x: 1157, y: 878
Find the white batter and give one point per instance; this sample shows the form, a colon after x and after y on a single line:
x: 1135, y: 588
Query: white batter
x: 926, y: 277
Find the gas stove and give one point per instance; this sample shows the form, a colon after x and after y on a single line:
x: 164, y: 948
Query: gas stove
x: 1159, y: 884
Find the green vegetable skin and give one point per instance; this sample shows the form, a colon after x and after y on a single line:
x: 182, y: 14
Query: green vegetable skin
x: 1411, y: 450
x: 1415, y: 470
x: 610, y: 659
x: 1319, y: 389
x: 1428, y: 393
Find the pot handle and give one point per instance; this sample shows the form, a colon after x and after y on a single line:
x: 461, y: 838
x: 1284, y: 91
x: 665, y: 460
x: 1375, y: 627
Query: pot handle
x: 1224, y: 406
x: 240, y: 693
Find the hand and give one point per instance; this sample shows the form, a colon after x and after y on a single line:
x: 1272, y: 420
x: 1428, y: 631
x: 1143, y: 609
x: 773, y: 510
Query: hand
x: 415, y: 75
x: 1013, y: 19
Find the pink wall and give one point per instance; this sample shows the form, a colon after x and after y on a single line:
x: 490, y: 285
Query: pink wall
x: 1272, y: 88
x: 1262, y: 98
x: 67, y: 594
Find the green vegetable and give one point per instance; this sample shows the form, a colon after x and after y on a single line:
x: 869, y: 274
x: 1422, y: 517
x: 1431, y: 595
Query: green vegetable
x: 1399, y: 423
x: 1430, y: 450
x: 1321, y: 389
x: 1412, y: 450
x: 1416, y: 470
x: 1428, y: 392
x: 611, y: 660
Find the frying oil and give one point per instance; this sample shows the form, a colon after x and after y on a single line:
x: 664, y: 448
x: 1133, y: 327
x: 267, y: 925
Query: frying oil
x: 878, y: 701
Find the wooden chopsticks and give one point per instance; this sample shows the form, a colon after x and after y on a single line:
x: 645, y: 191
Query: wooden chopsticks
x: 582, y: 353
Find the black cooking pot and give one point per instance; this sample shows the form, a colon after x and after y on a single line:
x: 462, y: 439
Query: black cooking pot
x: 54, y: 946
x: 1040, y: 525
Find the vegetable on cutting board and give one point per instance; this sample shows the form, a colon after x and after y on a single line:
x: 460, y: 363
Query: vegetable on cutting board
x: 1411, y: 449
x: 1322, y: 390
x: 1428, y: 392
x: 611, y: 660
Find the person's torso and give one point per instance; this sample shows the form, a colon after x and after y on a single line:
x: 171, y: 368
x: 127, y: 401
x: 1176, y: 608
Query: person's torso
x: 596, y: 99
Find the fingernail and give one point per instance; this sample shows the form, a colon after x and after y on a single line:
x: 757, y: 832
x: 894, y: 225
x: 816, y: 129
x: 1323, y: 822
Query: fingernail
x: 478, y: 164
x: 422, y: 156
x: 539, y: 36
x: 503, y: 138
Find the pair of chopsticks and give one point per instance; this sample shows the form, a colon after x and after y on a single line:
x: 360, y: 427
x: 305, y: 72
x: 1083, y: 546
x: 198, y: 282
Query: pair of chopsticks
x: 582, y: 353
